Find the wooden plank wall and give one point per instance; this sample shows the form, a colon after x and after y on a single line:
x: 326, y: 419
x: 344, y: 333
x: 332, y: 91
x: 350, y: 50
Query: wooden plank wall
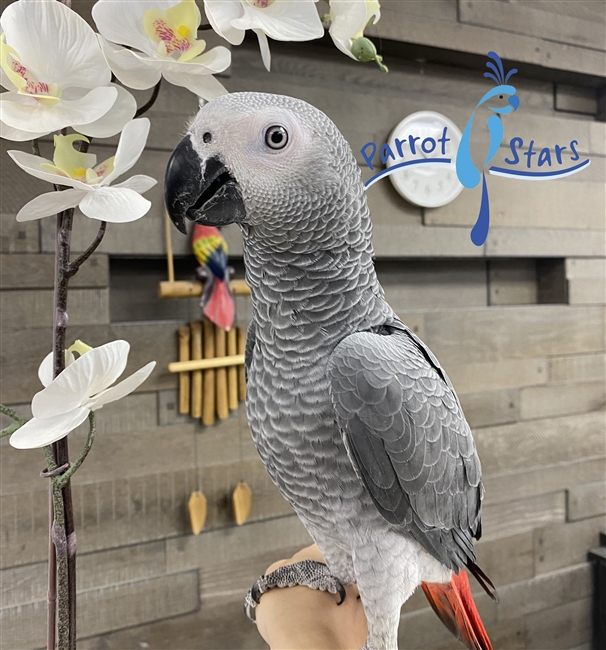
x: 530, y: 375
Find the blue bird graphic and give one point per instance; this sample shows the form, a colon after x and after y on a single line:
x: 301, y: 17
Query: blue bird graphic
x: 467, y: 172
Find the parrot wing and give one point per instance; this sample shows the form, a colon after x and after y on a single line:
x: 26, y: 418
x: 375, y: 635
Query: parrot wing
x: 408, y: 439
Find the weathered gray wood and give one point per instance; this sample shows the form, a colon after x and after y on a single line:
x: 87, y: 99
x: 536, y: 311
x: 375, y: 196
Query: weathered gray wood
x: 34, y: 307
x: 495, y: 375
x: 588, y: 500
x: 37, y: 272
x: 561, y: 545
x: 509, y: 635
x: 499, y: 520
x: 527, y: 18
x: 542, y: 242
x: 537, y: 205
x: 512, y: 282
x: 586, y: 367
x: 576, y: 99
x: 514, y: 332
x: 567, y: 626
x: 552, y: 287
x: 507, y: 559
x: 551, y: 401
x: 583, y: 269
x: 106, y: 608
x: 587, y: 292
x: 545, y: 591
x: 540, y: 480
x: 432, y: 286
x: 521, y: 446
x: 490, y: 407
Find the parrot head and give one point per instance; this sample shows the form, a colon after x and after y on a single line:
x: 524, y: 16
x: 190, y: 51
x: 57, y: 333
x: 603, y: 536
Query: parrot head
x: 503, y: 98
x: 267, y: 162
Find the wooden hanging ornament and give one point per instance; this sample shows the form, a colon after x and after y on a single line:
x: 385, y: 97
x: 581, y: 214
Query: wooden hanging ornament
x: 242, y: 502
x: 198, y: 508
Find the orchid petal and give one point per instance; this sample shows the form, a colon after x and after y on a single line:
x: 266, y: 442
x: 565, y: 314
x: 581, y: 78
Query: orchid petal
x: 221, y: 14
x: 123, y: 388
x: 131, y: 70
x: 283, y: 20
x: 46, y: 369
x: 122, y: 22
x: 138, y: 183
x: 348, y: 20
x: 90, y: 374
x: 116, y: 205
x: 66, y: 159
x: 55, y: 43
x: 50, y: 203
x: 17, y: 135
x: 113, y: 121
x: 130, y: 147
x: 215, y: 60
x: 205, y: 86
x: 30, y: 114
x: 264, y: 47
x: 39, y: 432
x: 35, y: 166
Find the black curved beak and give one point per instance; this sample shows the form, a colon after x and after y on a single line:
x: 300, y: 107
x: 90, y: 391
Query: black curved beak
x: 204, y: 191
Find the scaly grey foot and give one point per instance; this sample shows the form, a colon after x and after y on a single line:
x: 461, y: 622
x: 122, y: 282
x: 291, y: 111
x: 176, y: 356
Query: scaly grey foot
x: 308, y: 573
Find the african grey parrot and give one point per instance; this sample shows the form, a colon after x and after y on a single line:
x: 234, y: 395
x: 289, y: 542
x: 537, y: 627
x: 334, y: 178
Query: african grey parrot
x: 352, y: 415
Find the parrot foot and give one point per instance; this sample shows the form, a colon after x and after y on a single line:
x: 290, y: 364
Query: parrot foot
x: 308, y: 573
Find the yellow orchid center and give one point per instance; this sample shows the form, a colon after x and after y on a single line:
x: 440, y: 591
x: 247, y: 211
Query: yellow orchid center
x: 260, y: 4
x: 175, y: 29
x: 79, y: 347
x: 24, y: 79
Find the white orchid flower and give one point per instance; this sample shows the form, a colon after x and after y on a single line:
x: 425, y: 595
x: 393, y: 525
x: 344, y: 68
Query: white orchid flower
x: 282, y: 20
x: 348, y: 20
x: 84, y: 386
x: 56, y: 75
x: 162, y: 35
x: 90, y: 181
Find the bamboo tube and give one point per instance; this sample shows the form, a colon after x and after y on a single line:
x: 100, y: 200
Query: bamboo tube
x: 184, y: 385
x: 241, y: 371
x: 196, y: 375
x: 232, y: 371
x: 208, y: 408
x: 221, y: 374
x: 206, y: 364
x: 183, y: 289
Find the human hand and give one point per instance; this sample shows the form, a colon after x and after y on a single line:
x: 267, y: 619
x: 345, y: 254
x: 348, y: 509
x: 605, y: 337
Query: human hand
x: 300, y: 618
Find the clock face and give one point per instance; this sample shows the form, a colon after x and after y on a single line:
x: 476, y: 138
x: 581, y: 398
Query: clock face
x: 426, y: 185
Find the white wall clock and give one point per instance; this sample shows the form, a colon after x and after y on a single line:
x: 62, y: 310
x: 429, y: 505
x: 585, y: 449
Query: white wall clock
x: 426, y: 185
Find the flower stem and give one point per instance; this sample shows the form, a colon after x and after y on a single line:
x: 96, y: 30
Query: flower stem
x: 77, y: 263
x: 66, y: 476
x: 19, y: 419
x: 150, y: 102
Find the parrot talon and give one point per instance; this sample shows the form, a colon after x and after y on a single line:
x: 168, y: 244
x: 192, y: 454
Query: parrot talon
x: 307, y: 573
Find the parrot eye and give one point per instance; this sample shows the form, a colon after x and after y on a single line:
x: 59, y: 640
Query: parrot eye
x: 500, y: 96
x: 276, y: 137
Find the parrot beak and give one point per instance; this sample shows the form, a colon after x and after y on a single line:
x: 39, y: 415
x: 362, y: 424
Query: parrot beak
x: 204, y: 191
x: 514, y: 101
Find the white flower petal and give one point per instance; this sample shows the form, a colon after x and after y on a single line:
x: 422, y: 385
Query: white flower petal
x: 283, y: 20
x: 130, y: 147
x: 205, y: 86
x: 264, y: 47
x: 220, y: 14
x: 138, y: 183
x: 39, y: 432
x: 116, y: 205
x: 46, y: 370
x: 121, y: 21
x: 123, y: 388
x: 16, y: 135
x: 131, y: 70
x: 50, y: 203
x: 113, y: 121
x: 90, y: 374
x: 211, y: 62
x: 31, y: 115
x: 55, y: 43
x: 33, y: 166
x: 347, y: 19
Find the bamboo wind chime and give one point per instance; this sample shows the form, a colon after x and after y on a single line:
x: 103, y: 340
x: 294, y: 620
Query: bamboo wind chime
x: 211, y: 377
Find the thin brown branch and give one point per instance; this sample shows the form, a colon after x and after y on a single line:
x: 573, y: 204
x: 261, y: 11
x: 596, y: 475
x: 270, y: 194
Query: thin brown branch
x: 151, y: 101
x: 77, y: 263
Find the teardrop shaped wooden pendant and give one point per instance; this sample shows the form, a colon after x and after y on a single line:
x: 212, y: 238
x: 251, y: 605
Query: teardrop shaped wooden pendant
x: 242, y: 502
x: 198, y: 508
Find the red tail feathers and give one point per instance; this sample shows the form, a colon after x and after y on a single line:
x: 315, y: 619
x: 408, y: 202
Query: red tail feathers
x: 220, y: 307
x: 453, y: 603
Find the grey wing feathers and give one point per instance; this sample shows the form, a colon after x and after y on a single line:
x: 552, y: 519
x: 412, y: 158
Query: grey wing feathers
x: 408, y: 440
x: 249, y: 346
